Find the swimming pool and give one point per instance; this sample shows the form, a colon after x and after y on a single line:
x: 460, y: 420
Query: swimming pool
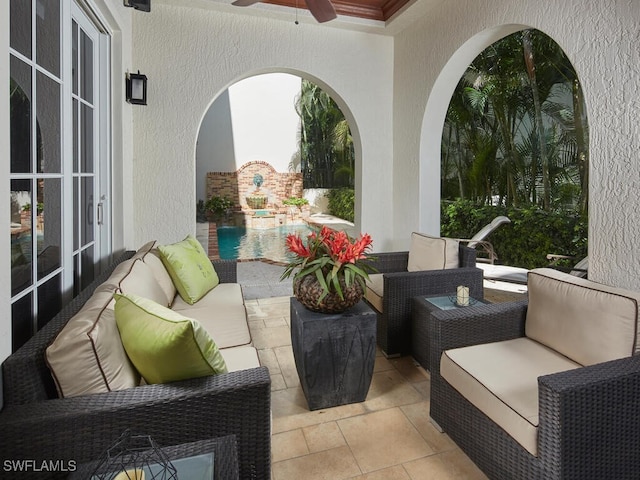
x: 250, y: 243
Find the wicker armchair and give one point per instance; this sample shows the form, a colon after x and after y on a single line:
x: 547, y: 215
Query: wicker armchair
x: 589, y: 417
x: 37, y: 425
x: 394, y: 322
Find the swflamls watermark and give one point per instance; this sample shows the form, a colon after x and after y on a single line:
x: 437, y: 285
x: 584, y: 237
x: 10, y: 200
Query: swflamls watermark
x: 30, y: 465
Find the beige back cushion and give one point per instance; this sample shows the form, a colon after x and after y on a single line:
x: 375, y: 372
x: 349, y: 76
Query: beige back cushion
x: 588, y: 322
x: 432, y: 253
x: 141, y: 282
x: 144, y: 249
x: 161, y: 275
x: 87, y: 356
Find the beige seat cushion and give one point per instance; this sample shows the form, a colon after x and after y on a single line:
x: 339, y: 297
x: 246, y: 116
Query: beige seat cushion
x: 432, y: 253
x: 588, y: 322
x: 501, y: 380
x: 240, y: 358
x: 227, y: 324
x: 223, y: 294
x: 87, y: 356
x: 375, y: 290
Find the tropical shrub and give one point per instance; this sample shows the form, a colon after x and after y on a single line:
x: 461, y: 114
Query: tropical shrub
x: 525, y: 242
x: 295, y: 201
x: 341, y: 203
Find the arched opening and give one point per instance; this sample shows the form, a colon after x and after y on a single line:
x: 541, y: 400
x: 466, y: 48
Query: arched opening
x: 268, y: 157
x: 515, y: 142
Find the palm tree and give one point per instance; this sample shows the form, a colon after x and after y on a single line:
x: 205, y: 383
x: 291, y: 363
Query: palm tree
x: 516, y: 127
x: 326, y: 148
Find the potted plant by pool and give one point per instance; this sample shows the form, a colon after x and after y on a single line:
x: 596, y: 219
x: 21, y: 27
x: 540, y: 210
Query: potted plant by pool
x: 331, y: 269
x: 295, y: 202
x: 218, y: 208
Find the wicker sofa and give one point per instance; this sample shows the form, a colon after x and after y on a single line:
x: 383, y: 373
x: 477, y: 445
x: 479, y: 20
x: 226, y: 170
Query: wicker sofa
x: 36, y: 424
x: 391, y: 290
x: 547, y: 388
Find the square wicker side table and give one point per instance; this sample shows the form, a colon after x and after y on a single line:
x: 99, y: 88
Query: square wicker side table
x: 421, y: 308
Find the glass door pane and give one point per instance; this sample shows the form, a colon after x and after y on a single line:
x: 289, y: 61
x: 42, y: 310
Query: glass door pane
x: 85, y: 153
x: 20, y: 98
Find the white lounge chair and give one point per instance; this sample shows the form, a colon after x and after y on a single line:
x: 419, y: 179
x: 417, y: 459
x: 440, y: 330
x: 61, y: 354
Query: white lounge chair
x: 478, y: 240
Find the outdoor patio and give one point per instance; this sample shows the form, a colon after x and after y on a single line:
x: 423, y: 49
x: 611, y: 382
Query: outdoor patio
x: 388, y: 436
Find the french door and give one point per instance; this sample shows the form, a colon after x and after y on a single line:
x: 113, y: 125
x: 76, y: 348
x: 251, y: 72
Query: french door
x: 90, y: 149
x: 59, y: 157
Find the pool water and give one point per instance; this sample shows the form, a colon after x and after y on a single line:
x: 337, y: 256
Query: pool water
x: 250, y: 243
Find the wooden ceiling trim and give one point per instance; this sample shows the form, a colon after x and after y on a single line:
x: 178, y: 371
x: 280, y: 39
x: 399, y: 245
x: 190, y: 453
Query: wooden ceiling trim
x: 361, y: 10
x: 390, y: 8
x: 369, y: 9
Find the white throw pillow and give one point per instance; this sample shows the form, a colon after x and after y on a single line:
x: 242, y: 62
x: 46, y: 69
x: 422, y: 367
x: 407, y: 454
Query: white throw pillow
x: 432, y: 253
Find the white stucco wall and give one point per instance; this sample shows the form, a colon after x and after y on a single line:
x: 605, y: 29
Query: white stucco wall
x: 601, y: 42
x: 208, y: 52
x: 215, y: 151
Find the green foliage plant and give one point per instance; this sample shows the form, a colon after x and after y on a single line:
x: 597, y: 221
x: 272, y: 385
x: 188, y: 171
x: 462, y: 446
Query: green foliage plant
x: 342, y: 203
x: 295, y: 201
x: 525, y: 242
x: 218, y: 207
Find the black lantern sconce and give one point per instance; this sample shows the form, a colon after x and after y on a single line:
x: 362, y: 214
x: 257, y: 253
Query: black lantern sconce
x: 136, y: 85
x: 142, y: 5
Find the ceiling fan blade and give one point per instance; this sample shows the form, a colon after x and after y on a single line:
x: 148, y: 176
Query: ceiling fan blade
x: 322, y: 10
x: 244, y: 3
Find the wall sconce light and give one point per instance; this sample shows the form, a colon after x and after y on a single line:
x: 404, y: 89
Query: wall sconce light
x: 136, y: 87
x: 142, y: 5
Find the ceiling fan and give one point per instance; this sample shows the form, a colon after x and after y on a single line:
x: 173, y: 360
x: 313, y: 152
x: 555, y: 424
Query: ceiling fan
x: 322, y: 10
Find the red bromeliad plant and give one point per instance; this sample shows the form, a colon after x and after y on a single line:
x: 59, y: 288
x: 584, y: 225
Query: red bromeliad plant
x: 330, y: 255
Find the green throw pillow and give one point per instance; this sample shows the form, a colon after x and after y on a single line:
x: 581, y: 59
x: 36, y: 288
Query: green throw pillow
x: 190, y: 269
x: 163, y: 345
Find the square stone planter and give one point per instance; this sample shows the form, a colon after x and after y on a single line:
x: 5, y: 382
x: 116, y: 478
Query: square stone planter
x: 334, y: 353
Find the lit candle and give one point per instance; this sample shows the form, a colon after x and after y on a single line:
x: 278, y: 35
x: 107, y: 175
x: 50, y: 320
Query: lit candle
x: 463, y: 295
x: 133, y: 474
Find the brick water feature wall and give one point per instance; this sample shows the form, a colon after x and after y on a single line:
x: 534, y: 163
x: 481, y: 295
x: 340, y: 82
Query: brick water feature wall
x: 276, y: 187
x: 237, y: 185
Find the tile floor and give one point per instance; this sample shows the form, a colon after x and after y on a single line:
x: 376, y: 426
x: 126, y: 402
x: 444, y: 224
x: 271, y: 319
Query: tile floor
x: 387, y: 437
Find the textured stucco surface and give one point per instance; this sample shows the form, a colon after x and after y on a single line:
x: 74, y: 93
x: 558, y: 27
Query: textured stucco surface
x: 600, y: 38
x: 192, y: 55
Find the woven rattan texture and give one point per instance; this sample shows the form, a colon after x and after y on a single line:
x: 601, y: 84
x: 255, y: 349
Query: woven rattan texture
x: 36, y: 425
x: 394, y: 322
x: 589, y: 418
